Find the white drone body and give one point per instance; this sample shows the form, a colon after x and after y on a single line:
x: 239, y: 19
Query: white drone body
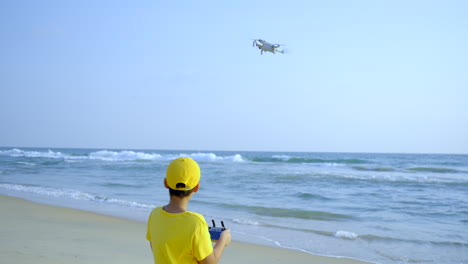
x: 265, y: 46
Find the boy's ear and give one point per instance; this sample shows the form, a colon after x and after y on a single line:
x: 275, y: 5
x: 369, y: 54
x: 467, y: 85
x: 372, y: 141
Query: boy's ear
x: 165, y: 184
x: 196, y: 188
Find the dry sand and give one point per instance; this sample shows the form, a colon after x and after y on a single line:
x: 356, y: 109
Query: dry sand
x: 43, y: 234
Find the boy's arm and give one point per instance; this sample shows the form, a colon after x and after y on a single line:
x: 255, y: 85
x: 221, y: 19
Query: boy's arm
x: 218, y: 248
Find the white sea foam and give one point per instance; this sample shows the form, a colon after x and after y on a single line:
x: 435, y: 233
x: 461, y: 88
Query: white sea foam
x: 31, y: 154
x: 123, y: 155
x: 48, y: 191
x: 214, y: 157
x: 346, y: 234
x: 12, y: 152
x: 71, y: 194
x: 244, y: 221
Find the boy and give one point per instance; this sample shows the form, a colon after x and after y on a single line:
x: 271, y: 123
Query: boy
x: 179, y: 236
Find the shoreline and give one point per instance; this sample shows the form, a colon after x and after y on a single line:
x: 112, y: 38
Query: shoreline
x: 40, y: 233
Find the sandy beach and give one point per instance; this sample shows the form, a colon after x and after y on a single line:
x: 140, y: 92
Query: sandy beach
x: 38, y: 233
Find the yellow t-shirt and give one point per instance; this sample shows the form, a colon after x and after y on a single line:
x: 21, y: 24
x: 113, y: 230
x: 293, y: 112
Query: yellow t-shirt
x: 180, y: 238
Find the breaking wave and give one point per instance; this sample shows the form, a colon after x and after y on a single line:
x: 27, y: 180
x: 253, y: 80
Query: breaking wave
x: 123, y: 155
x: 345, y: 235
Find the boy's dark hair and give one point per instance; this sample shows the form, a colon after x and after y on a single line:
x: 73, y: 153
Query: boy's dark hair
x: 179, y: 193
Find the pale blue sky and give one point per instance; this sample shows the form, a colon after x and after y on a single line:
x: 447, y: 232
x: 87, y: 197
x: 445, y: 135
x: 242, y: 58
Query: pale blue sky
x: 359, y: 76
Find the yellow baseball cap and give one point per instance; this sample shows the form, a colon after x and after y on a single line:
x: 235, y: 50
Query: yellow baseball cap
x: 183, y: 170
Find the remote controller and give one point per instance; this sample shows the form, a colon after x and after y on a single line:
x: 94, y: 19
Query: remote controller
x: 215, y: 232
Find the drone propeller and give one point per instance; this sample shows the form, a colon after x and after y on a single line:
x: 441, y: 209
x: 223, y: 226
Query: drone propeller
x: 257, y: 42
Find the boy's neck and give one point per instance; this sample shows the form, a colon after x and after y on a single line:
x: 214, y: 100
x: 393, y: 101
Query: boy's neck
x: 176, y: 205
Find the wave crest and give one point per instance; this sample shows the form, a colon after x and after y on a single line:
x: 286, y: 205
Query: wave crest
x: 123, y: 155
x: 290, y: 159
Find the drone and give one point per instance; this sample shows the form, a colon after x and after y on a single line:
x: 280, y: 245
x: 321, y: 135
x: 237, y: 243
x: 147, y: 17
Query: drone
x: 265, y: 46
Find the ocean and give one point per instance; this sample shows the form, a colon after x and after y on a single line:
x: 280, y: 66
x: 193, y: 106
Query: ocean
x: 382, y: 208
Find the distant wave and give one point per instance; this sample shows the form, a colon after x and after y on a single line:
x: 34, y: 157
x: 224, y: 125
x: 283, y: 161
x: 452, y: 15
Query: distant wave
x: 122, y: 185
x: 349, y: 235
x: 310, y: 196
x: 71, y: 194
x: 417, y: 169
x: 31, y: 154
x: 26, y: 163
x: 435, y: 170
x: 50, y: 157
x: 289, y: 159
x: 124, y: 155
x: 401, y: 177
x: 363, y: 168
x: 284, y: 212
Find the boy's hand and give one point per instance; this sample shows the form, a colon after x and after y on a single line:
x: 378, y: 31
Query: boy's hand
x: 225, y: 237
x: 224, y: 240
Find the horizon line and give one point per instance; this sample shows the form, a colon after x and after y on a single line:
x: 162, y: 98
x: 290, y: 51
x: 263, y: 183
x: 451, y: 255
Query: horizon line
x: 219, y: 150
